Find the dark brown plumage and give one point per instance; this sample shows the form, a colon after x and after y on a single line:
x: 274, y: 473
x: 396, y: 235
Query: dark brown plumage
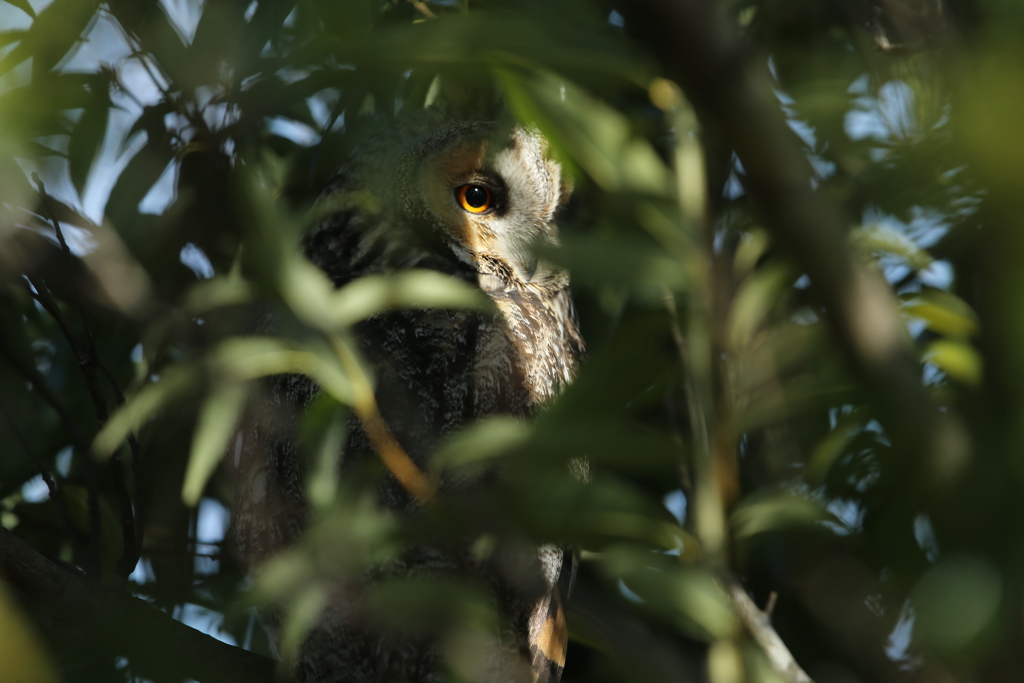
x: 397, y: 206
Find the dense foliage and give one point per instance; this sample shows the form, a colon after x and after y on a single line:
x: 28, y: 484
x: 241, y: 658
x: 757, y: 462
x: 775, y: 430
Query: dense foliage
x: 757, y: 408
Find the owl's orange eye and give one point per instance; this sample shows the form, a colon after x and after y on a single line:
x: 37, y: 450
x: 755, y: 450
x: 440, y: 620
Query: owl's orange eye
x: 474, y: 198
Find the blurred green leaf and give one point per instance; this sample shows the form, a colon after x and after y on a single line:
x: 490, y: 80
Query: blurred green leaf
x: 375, y: 294
x: 768, y: 512
x: 247, y: 358
x: 172, y: 383
x: 86, y: 140
x: 945, y: 313
x: 302, y: 615
x: 595, y: 136
x: 882, y: 239
x: 688, y: 597
x: 754, y: 301
x: 55, y: 30
x: 217, y: 419
x: 957, y: 359
x: 955, y: 601
x: 619, y: 261
x: 24, y: 657
x: 832, y: 446
x: 481, y: 442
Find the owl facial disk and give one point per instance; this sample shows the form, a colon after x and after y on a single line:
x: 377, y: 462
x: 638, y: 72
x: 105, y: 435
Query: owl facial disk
x: 493, y: 203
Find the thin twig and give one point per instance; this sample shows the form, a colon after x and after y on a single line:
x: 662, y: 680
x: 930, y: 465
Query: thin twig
x: 80, y: 443
x: 51, y: 485
x: 422, y: 8
x: 769, y: 606
x: 45, y: 298
x: 761, y: 630
x: 88, y: 362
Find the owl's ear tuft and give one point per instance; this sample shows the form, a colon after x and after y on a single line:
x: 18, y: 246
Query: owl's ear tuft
x: 565, y: 188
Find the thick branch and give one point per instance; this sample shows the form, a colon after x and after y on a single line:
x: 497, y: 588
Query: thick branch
x: 706, y: 56
x: 151, y: 640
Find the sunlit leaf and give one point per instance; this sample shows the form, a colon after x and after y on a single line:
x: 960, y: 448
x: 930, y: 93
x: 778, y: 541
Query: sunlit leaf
x: 959, y: 360
x: 596, y: 136
x: 374, y: 294
x: 247, y: 358
x: 944, y: 313
x: 882, y: 239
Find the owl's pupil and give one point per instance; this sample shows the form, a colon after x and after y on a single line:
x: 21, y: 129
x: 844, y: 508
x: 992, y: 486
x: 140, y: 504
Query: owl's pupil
x: 476, y: 196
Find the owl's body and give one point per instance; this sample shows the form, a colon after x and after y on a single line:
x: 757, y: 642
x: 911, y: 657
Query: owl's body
x: 402, y: 202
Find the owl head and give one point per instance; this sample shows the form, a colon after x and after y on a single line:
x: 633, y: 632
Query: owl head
x: 470, y: 198
x: 492, y: 195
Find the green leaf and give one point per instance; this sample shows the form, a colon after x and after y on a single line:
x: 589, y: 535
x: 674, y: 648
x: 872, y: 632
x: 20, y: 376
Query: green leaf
x: 596, y: 136
x: 833, y: 444
x: 773, y: 512
x: 53, y: 33
x: 481, y: 442
x: 955, y: 602
x: 8, y: 37
x: 218, y: 292
x: 688, y: 597
x: 944, y: 312
x: 135, y: 181
x: 248, y: 358
x: 959, y: 360
x: 24, y: 6
x: 324, y: 427
x: 303, y: 613
x: 631, y: 262
x: 174, y: 382
x: 758, y: 295
x: 22, y: 651
x: 86, y: 140
x: 217, y: 419
x: 882, y: 239
x: 374, y: 294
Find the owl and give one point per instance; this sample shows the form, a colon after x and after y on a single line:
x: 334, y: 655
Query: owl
x: 470, y: 199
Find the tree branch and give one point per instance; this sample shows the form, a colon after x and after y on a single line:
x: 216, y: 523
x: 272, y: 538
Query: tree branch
x: 151, y: 639
x: 51, y: 485
x: 78, y: 441
x: 759, y: 626
x: 88, y: 363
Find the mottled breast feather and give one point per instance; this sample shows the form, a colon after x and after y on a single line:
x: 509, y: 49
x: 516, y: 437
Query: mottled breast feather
x: 436, y: 371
